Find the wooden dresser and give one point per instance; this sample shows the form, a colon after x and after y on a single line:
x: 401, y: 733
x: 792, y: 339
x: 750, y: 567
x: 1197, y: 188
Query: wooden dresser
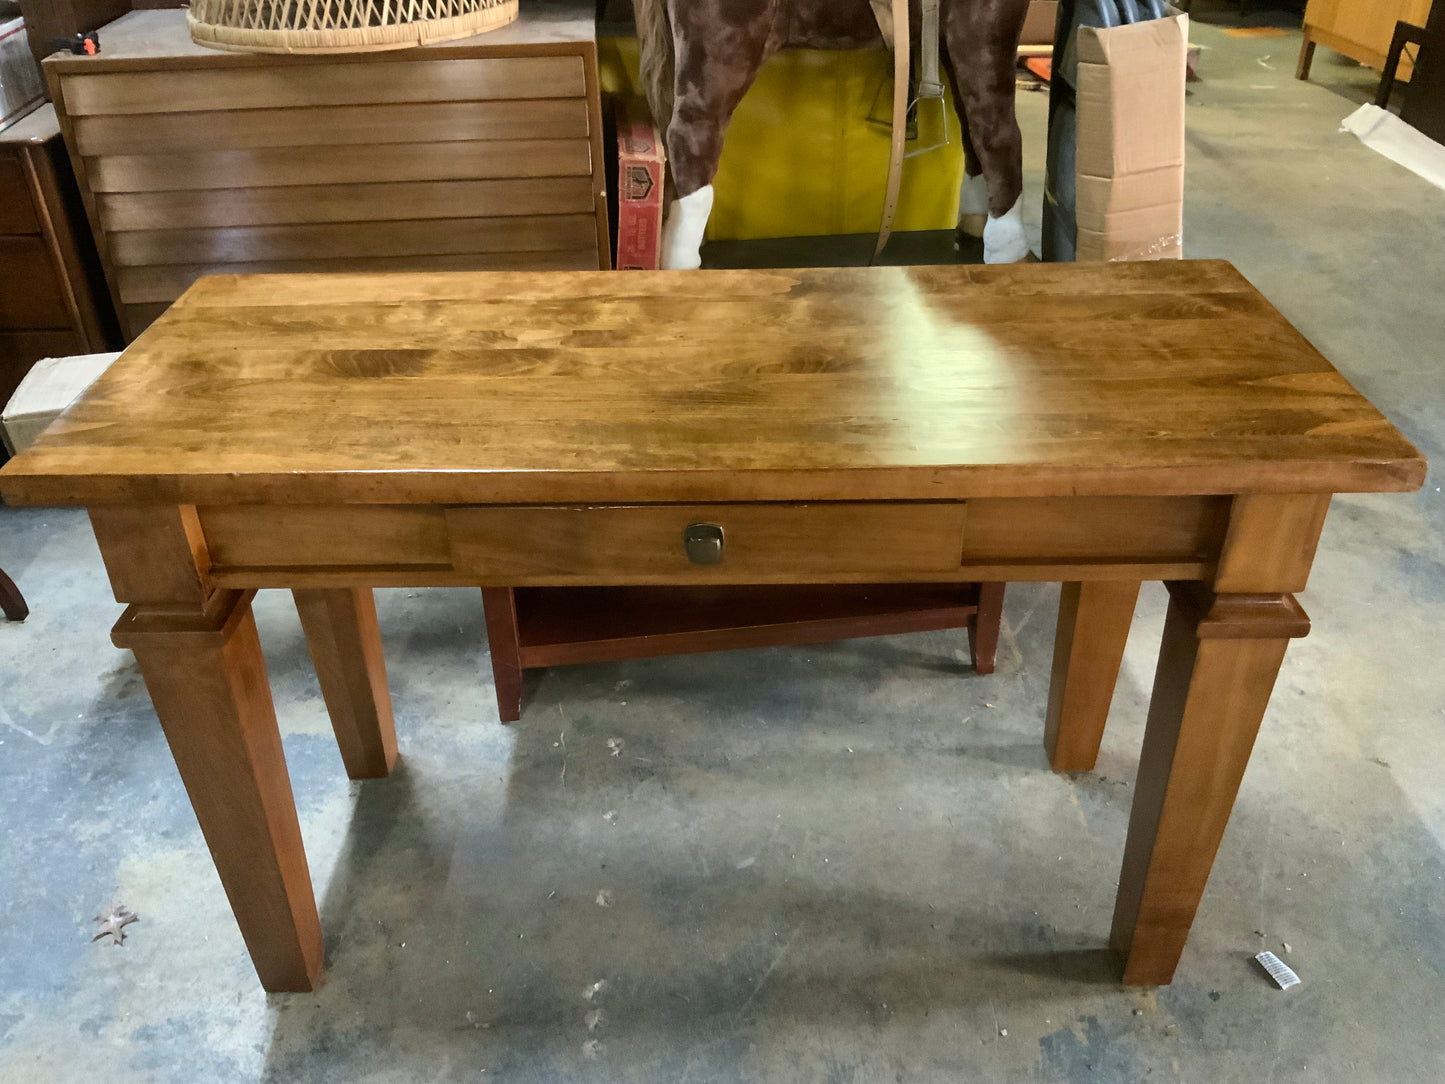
x: 479, y: 154
x: 1360, y: 29
x: 52, y: 301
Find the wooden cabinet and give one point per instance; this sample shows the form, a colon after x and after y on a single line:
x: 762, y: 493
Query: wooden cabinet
x: 472, y: 155
x: 1360, y: 29
x: 52, y: 302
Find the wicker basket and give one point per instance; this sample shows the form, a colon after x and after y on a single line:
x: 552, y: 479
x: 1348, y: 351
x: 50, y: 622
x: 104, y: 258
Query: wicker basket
x: 340, y: 26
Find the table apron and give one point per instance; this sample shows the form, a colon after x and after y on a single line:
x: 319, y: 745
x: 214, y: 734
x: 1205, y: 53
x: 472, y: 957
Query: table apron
x: 1018, y: 539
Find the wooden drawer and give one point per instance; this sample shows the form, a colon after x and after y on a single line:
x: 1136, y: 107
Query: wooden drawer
x: 294, y: 84
x: 422, y: 237
x: 17, y: 207
x: 30, y: 291
x: 762, y: 543
x: 312, y: 204
x: 293, y: 166
x: 338, y: 125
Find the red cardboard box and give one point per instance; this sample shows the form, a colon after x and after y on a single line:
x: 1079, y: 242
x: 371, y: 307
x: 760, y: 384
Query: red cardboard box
x: 640, y: 162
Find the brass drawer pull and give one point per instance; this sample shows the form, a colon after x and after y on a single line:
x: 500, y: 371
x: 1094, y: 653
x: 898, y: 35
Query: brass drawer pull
x: 703, y: 543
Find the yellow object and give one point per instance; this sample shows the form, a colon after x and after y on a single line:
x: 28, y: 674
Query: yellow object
x: 807, y: 152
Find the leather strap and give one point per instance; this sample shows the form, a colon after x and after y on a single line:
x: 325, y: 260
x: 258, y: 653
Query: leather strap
x: 901, y: 56
x: 929, y: 84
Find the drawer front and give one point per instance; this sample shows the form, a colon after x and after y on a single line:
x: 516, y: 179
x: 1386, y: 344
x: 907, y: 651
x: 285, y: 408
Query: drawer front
x: 17, y: 208
x: 440, y: 237
x: 351, y: 202
x: 30, y: 292
x: 760, y: 543
x: 292, y: 167
x: 294, y: 84
x: 368, y: 124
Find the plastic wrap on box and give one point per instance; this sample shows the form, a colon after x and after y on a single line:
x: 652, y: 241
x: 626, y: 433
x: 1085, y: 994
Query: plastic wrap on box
x: 22, y: 87
x: 51, y: 385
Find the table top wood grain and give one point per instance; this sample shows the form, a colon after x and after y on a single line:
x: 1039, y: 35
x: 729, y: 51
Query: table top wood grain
x: 828, y: 384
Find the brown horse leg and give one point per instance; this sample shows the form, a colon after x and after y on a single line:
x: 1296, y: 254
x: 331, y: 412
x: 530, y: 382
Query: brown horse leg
x: 717, y: 57
x: 973, y: 193
x: 982, y: 40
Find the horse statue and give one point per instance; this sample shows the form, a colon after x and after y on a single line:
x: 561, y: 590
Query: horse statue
x: 700, y: 56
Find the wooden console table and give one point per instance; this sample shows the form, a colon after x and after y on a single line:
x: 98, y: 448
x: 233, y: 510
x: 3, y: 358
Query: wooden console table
x: 1092, y: 424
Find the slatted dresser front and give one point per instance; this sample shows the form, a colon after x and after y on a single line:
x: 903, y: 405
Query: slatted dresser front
x: 474, y: 155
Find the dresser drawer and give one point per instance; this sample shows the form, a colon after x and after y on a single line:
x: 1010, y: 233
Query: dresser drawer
x: 416, y: 239
x: 30, y: 292
x: 332, y: 126
x: 227, y: 84
x: 293, y: 167
x: 17, y: 207
x: 756, y: 543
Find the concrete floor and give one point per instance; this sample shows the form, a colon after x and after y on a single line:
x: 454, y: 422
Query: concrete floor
x: 844, y: 864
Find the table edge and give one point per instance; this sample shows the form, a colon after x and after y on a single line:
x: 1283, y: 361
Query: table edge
x: 20, y: 487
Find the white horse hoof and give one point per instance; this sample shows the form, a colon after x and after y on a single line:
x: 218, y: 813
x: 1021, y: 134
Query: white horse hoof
x: 682, y: 233
x: 1003, y: 237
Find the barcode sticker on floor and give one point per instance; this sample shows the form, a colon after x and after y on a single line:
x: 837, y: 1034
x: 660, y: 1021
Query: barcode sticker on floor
x: 1284, y: 978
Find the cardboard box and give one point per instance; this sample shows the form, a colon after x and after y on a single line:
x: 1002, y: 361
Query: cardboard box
x: 639, y: 187
x: 51, y: 386
x: 22, y: 86
x: 1129, y: 201
x: 1039, y: 23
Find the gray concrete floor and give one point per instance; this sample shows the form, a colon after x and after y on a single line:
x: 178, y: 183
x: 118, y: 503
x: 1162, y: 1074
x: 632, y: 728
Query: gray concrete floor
x: 845, y: 864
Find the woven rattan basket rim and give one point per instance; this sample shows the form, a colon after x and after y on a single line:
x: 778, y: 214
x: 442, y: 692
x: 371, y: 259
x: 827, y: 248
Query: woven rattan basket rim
x: 352, y: 39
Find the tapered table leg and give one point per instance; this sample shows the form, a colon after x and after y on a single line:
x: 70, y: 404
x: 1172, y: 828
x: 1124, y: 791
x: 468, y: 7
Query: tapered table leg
x: 1217, y: 668
x: 983, y: 627
x: 499, y: 604
x: 207, y: 679
x: 1094, y: 620
x: 345, y: 642
x: 1306, y: 56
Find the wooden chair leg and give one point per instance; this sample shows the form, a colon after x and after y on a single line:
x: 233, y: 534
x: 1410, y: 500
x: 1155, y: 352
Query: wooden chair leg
x: 345, y: 643
x: 1405, y: 34
x: 499, y: 604
x: 12, y: 602
x: 984, y: 625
